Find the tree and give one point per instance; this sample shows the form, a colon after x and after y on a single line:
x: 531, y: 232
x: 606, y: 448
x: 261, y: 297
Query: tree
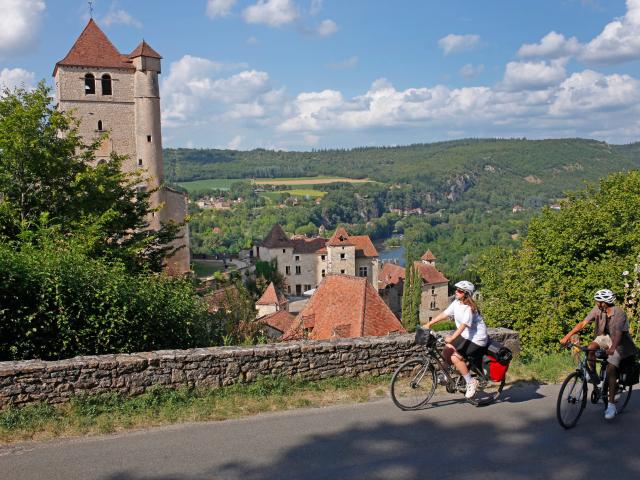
x: 47, y: 174
x: 411, y: 298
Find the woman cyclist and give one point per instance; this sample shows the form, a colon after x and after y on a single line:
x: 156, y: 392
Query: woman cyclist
x: 470, y: 337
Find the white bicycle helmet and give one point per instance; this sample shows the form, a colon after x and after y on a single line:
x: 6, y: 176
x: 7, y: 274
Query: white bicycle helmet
x: 606, y: 296
x: 465, y: 286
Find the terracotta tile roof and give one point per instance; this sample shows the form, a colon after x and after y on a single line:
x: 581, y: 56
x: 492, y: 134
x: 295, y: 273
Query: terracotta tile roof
x: 429, y: 273
x: 219, y: 299
x: 280, y: 320
x: 344, y: 306
x: 390, y: 274
x: 364, y: 245
x: 276, y: 238
x: 144, y: 50
x: 271, y: 297
x: 309, y: 245
x: 340, y: 238
x: 428, y: 256
x: 93, y: 49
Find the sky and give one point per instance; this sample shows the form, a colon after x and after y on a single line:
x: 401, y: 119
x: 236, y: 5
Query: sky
x: 316, y: 74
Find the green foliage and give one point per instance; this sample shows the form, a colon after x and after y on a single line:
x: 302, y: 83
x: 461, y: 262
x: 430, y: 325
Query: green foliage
x: 547, y: 286
x: 411, y: 297
x: 57, y: 302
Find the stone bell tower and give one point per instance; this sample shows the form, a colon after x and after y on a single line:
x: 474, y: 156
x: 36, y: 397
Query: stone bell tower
x: 119, y: 94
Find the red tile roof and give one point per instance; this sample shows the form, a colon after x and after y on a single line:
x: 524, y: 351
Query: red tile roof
x: 280, y: 320
x: 344, y: 306
x: 271, y: 297
x: 428, y: 256
x: 221, y: 299
x: 390, y: 274
x: 93, y: 49
x: 309, y: 245
x: 144, y: 50
x: 364, y: 244
x: 429, y: 273
x: 340, y: 238
x: 276, y: 238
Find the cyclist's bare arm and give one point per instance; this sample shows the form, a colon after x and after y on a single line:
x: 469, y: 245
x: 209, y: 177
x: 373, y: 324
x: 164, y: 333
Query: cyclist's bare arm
x: 573, y: 331
x: 456, y: 334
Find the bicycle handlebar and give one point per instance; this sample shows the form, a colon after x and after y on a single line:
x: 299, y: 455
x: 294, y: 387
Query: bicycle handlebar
x: 598, y: 351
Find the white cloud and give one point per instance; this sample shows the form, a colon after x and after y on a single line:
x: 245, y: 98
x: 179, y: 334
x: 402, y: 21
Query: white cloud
x: 533, y: 75
x: 19, y: 25
x: 273, y: 13
x: 117, y: 16
x: 458, y: 43
x: 552, y: 45
x: 16, y: 77
x: 351, y: 62
x: 326, y: 28
x: 470, y: 70
x: 316, y: 7
x: 235, y: 143
x: 619, y: 41
x: 219, y: 8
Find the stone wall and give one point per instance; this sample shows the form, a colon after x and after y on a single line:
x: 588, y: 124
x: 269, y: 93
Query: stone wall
x: 57, y: 381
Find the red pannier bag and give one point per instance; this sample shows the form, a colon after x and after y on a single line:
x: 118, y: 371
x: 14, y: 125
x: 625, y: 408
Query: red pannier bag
x: 493, y: 369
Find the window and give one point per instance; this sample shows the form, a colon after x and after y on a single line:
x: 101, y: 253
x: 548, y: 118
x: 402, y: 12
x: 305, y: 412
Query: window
x: 289, y: 289
x: 433, y: 290
x: 99, y: 125
x: 341, y: 271
x: 323, y: 257
x: 323, y: 273
x: 287, y: 270
x: 149, y: 138
x: 284, y: 251
x: 139, y: 162
x: 106, y: 84
x: 297, y: 258
x: 342, y: 256
x: 362, y: 271
x: 89, y: 84
x: 307, y: 287
x: 433, y: 305
x: 298, y: 269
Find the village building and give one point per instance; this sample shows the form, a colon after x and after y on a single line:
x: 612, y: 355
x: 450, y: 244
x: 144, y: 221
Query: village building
x: 270, y: 302
x: 118, y: 94
x: 434, y: 297
x: 304, y: 262
x: 344, y: 306
x: 277, y: 323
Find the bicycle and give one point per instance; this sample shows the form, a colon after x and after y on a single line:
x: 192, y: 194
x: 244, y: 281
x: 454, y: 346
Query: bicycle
x: 572, y: 399
x: 415, y: 381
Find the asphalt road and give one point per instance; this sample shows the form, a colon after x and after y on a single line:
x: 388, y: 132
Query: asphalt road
x: 518, y: 438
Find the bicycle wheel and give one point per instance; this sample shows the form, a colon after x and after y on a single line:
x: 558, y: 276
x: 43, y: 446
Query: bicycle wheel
x: 413, y: 384
x: 487, y: 392
x: 621, y: 398
x: 572, y: 400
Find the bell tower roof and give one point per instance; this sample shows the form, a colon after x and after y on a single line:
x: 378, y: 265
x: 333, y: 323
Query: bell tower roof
x: 94, y: 49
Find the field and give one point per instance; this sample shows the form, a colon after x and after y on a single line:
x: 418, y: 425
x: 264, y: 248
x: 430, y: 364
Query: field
x: 225, y: 183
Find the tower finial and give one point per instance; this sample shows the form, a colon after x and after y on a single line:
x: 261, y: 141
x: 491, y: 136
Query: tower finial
x: 90, y: 9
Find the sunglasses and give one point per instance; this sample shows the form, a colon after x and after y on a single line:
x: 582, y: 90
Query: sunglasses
x: 460, y: 291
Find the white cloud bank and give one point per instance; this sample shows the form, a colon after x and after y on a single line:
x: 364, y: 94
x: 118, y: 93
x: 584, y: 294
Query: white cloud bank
x: 19, y: 25
x: 453, y: 43
x: 273, y: 13
x: 117, y: 16
x: 219, y: 8
x: 16, y: 77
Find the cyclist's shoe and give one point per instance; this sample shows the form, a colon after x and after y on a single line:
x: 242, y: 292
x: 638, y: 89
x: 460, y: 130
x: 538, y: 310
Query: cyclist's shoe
x: 471, y: 388
x: 610, y: 411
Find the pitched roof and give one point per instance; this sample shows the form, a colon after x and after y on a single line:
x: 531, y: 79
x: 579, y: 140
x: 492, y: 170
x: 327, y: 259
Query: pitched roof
x: 344, y: 306
x: 428, y: 256
x: 390, y: 274
x: 364, y: 244
x: 309, y: 245
x: 271, y: 297
x: 221, y: 298
x: 340, y: 238
x: 144, y: 50
x: 94, y: 49
x: 280, y: 320
x: 276, y: 238
x: 429, y: 273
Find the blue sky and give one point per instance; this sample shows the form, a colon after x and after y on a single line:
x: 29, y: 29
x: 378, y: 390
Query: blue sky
x: 303, y: 74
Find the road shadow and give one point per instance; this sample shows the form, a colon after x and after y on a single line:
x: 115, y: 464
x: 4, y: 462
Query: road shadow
x: 420, y: 445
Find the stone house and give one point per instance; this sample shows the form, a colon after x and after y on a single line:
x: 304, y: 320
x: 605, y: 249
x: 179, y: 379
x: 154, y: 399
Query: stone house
x: 434, y: 297
x: 304, y: 262
x: 270, y: 302
x: 115, y: 93
x: 344, y: 306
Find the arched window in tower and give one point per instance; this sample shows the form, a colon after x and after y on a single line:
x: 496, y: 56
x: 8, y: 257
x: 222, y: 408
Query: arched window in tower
x: 89, y: 84
x: 106, y: 84
x: 99, y: 125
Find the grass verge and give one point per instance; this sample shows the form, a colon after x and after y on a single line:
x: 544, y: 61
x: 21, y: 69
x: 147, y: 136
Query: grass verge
x: 111, y: 413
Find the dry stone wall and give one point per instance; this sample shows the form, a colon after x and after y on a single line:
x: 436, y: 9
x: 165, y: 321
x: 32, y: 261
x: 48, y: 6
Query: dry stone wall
x: 33, y: 381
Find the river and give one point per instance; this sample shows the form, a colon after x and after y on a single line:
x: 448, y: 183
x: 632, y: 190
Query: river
x: 391, y: 254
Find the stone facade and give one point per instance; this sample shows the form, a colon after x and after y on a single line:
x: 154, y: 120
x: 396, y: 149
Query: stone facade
x: 33, y: 381
x: 433, y: 300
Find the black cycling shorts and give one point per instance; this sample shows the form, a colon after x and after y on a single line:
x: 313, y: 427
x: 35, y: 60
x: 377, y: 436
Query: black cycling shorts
x: 468, y: 349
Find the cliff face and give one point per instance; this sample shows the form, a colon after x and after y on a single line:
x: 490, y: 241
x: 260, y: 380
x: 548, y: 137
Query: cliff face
x: 459, y: 184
